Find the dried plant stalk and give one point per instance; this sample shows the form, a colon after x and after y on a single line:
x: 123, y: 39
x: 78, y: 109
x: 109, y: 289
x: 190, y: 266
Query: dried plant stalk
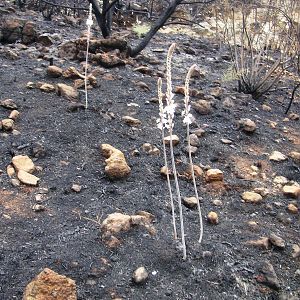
x: 89, y: 23
x: 162, y: 120
x: 188, y: 120
x: 170, y: 109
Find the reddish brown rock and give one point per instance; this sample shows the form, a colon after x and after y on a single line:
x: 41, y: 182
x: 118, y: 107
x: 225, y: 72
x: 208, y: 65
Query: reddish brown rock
x: 49, y: 285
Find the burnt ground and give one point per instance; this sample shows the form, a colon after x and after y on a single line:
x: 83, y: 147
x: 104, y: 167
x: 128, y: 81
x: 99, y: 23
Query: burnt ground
x: 64, y: 239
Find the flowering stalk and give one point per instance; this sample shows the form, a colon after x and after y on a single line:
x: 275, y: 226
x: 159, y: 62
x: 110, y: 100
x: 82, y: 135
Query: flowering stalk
x: 89, y: 23
x: 188, y: 120
x: 170, y: 111
x: 161, y: 124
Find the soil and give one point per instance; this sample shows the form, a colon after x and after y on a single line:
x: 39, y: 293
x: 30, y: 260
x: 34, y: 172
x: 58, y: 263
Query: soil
x: 66, y: 236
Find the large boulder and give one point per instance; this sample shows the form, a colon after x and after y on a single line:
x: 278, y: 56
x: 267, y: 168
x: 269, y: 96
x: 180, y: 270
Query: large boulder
x: 29, y: 33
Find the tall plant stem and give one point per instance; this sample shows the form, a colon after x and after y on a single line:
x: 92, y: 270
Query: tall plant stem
x: 194, y: 183
x: 161, y: 112
x: 186, y: 114
x: 170, y: 189
x: 86, y: 66
x: 178, y: 194
x: 170, y: 116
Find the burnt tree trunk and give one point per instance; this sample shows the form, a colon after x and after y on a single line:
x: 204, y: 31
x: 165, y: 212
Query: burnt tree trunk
x: 159, y: 23
x: 103, y: 17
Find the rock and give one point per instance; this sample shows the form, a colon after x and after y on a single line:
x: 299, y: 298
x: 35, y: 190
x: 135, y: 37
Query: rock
x: 131, y: 121
x: 7, y: 124
x: 144, y: 70
x: 199, y: 132
x: 68, y: 50
x: 216, y: 92
x: 116, y: 165
x: 76, y: 188
x: 9, y: 54
x: 72, y: 73
x: 15, y: 182
x: 27, y: 178
x: 296, y: 251
x: 214, y: 175
x: 198, y: 172
x: 8, y: 103
x: 292, y: 191
x: 203, y: 107
x: 213, y: 218
x: 140, y: 275
x: 38, y: 150
x: 92, y: 80
x: 295, y: 156
x: 277, y: 241
x: 226, y: 141
x: 190, y: 202
x: 67, y: 91
x: 263, y: 243
x: 228, y: 103
x: 154, y: 151
x: 268, y: 276
x: 10, y: 171
x: 280, y: 180
x: 23, y: 162
x: 45, y: 39
x: 192, y: 92
x: 266, y: 108
x: 16, y: 132
x: 11, y: 30
x: 118, y: 222
x: 115, y: 223
x: 174, y: 138
x: 49, y: 285
x: 108, y: 60
x: 217, y: 202
x: 253, y: 226
x: 75, y: 106
x: 38, y: 207
x: 277, y: 156
x: 191, y: 148
x: 54, y: 71
x: 247, y: 125
x: 294, y: 116
x: 194, y: 140
x: 147, y: 147
x: 164, y: 171
x: 262, y: 191
x: 292, y: 208
x: 14, y: 115
x: 142, y: 85
x: 29, y: 33
x: 198, y: 73
x: 47, y: 88
x: 251, y: 197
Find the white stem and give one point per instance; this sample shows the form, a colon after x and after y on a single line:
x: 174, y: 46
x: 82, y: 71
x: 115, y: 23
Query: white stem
x: 194, y: 183
x: 186, y: 112
x: 169, y: 187
x: 86, y: 66
x: 178, y: 195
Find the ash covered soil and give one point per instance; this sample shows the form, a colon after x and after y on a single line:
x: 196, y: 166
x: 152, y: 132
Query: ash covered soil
x: 65, y: 236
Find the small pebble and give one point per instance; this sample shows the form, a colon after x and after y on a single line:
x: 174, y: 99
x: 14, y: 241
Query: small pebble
x: 140, y: 275
x: 213, y: 218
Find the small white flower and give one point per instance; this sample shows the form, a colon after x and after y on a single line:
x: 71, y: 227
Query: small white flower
x: 170, y: 109
x: 188, y: 119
